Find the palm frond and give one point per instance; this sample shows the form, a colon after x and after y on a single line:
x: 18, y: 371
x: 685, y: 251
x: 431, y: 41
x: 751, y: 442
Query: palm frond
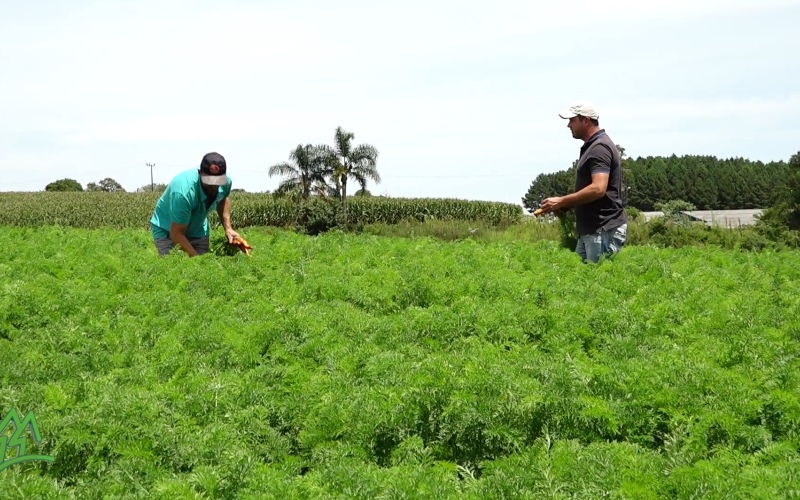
x: 360, y: 179
x: 283, y: 169
x: 302, y: 156
x: 364, y: 162
x: 323, y: 189
x: 326, y: 161
x: 364, y: 152
x: 287, y: 187
x: 341, y: 141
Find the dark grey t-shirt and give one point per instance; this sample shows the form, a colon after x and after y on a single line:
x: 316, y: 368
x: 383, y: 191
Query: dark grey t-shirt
x: 600, y: 155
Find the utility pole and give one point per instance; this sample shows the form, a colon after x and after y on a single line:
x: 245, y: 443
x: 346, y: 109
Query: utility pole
x: 152, y: 184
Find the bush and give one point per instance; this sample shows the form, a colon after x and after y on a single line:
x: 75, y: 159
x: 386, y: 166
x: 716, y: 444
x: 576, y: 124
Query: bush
x: 751, y: 240
x: 569, y: 229
x: 777, y: 224
x: 318, y: 215
x: 64, y: 185
x: 633, y: 213
x: 664, y: 232
x: 672, y: 210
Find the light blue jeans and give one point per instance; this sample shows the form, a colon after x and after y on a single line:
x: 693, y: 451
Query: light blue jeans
x: 592, y: 246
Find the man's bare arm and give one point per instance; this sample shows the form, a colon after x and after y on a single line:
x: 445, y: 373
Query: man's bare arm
x: 593, y: 191
x: 224, y: 212
x: 177, y: 232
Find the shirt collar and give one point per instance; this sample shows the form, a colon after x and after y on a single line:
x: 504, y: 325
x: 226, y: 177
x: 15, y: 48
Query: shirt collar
x: 597, y: 134
x: 593, y: 138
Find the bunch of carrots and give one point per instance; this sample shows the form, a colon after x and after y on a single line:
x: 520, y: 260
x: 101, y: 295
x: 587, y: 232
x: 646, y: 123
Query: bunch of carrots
x: 243, y: 245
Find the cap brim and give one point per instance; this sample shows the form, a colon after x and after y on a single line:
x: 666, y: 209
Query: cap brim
x: 567, y: 115
x: 214, y: 180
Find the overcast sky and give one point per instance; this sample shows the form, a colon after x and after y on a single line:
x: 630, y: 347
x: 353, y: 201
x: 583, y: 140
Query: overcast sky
x: 461, y: 99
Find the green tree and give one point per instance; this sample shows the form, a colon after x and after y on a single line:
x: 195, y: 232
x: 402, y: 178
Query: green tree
x: 346, y: 162
x: 559, y: 183
x: 108, y: 185
x: 152, y: 188
x: 781, y: 221
x: 304, y: 173
x: 794, y: 191
x: 64, y: 185
x: 626, y: 176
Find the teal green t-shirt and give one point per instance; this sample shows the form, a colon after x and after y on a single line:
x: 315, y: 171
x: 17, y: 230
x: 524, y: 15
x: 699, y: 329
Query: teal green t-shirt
x: 185, y: 202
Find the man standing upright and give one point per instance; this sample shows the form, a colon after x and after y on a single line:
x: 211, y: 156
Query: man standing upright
x: 181, y: 214
x: 599, y: 214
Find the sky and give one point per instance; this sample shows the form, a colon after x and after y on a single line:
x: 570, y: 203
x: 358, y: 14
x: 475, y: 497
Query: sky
x: 461, y: 99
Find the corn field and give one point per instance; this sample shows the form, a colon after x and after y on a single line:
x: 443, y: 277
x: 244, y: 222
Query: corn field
x: 133, y: 210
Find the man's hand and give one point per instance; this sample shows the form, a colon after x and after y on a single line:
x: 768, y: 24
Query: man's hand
x: 231, y: 234
x: 554, y: 204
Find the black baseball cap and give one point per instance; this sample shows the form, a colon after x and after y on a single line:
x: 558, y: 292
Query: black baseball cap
x: 213, y: 170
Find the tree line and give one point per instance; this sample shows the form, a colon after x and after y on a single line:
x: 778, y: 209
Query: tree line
x: 107, y: 185
x: 707, y: 182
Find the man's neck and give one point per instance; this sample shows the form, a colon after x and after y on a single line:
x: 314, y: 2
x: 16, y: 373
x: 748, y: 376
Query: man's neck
x: 591, y: 132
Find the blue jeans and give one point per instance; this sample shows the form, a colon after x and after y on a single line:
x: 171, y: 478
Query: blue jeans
x: 591, y: 247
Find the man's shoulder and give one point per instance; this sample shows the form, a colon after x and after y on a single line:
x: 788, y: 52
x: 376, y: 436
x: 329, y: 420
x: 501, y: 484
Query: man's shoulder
x: 226, y: 188
x: 184, y: 182
x: 601, y: 138
x: 603, y: 147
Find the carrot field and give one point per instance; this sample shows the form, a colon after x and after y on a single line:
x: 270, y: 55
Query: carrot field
x: 357, y: 366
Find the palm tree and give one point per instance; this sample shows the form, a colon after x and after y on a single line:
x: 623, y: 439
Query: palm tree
x: 305, y: 172
x: 348, y: 162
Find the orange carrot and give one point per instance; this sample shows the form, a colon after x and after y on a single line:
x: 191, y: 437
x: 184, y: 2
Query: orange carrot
x: 242, y: 244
